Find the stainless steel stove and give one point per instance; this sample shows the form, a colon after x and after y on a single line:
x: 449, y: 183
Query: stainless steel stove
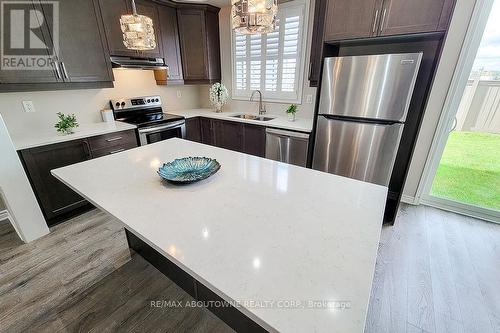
x: 147, y: 114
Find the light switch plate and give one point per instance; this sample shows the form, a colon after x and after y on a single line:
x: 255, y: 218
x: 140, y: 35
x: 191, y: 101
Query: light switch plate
x: 309, y: 99
x: 179, y: 94
x: 28, y: 106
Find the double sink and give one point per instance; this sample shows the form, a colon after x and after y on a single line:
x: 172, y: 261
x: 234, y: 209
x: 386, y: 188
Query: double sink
x: 252, y: 117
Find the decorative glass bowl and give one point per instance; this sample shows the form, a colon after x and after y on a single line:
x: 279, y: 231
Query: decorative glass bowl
x: 188, y: 169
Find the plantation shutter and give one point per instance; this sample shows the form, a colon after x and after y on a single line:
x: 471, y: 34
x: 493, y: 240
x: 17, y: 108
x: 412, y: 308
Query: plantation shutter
x: 271, y: 62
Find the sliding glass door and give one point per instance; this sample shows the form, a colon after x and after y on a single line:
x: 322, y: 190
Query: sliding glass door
x: 468, y: 175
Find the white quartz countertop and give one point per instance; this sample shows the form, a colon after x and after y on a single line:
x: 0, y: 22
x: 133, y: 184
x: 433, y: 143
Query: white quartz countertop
x: 35, y: 137
x: 279, y: 121
x: 256, y: 231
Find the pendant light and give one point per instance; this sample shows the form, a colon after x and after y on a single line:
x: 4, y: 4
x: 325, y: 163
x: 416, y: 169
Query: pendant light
x: 253, y: 17
x: 138, y: 31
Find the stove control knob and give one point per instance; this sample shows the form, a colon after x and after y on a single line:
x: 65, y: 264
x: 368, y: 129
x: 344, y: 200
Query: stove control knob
x: 157, y: 100
x: 117, y: 104
x: 123, y: 104
x: 149, y: 101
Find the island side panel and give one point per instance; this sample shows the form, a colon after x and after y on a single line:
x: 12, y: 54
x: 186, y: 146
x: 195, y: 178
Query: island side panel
x: 229, y: 314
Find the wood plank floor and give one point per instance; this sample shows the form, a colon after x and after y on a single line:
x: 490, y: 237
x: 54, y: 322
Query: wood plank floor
x: 436, y: 272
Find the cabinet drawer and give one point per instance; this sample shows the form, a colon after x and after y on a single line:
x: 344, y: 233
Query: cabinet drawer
x: 123, y: 138
x: 113, y: 149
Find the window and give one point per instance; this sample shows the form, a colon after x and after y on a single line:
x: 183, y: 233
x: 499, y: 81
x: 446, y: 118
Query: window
x: 273, y: 62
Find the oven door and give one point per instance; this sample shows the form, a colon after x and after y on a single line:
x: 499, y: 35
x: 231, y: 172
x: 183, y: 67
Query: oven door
x: 162, y: 132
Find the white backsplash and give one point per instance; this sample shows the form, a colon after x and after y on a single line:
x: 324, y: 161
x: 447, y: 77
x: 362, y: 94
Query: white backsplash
x: 87, y: 103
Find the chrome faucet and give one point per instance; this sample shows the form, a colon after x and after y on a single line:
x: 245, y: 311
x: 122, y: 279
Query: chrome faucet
x: 262, y: 107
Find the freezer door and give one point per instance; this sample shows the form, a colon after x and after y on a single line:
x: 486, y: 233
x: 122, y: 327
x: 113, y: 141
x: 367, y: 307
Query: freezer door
x: 375, y: 86
x: 364, y: 151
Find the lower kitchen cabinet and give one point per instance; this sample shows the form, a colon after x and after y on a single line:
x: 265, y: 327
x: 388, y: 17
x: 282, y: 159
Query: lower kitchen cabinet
x: 193, y: 130
x: 56, y: 199
x: 241, y: 137
x: 206, y: 131
x: 254, y: 142
x: 228, y: 134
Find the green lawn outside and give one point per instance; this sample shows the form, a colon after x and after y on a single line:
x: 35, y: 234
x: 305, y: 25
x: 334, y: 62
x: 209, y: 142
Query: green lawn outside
x: 469, y: 170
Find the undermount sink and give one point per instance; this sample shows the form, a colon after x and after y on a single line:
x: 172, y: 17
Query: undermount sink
x: 252, y: 117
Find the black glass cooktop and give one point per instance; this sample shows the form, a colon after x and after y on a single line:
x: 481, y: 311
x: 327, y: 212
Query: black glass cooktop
x: 152, y: 119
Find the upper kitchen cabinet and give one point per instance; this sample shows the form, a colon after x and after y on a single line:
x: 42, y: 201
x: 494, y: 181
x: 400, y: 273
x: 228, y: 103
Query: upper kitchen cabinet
x: 78, y: 27
x: 347, y: 19
x: 111, y: 11
x: 150, y: 9
x: 412, y: 16
x: 81, y: 29
x: 170, y: 45
x: 200, y: 44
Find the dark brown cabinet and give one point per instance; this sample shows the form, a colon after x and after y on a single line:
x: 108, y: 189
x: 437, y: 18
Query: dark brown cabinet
x: 241, y: 137
x: 228, y: 134
x: 339, y: 20
x: 55, y: 198
x: 200, y: 44
x: 206, y: 131
x: 150, y: 9
x: 412, y: 16
x: 254, y: 142
x: 170, y: 44
x: 347, y: 19
x: 193, y: 129
x: 111, y: 11
x: 351, y: 19
x: 113, y: 143
x: 81, y: 28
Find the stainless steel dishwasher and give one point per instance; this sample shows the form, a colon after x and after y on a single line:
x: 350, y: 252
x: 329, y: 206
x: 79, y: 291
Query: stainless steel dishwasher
x: 287, y: 146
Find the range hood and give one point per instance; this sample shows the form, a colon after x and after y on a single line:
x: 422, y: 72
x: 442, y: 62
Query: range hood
x: 138, y: 63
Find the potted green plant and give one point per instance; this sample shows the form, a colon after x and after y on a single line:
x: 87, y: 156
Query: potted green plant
x: 66, y: 123
x: 291, y: 111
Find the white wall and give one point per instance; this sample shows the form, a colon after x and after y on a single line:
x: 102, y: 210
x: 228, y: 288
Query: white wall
x: 86, y: 104
x: 446, y: 68
x: 305, y: 110
x: 25, y: 214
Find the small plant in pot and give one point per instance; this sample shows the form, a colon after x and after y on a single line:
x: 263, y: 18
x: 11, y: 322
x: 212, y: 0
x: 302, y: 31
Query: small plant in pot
x: 66, y: 123
x: 291, y: 111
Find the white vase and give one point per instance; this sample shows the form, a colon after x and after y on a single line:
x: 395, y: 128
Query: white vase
x: 291, y: 116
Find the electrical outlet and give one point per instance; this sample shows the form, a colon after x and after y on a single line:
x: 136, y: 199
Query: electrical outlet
x: 28, y: 106
x: 309, y: 99
x: 179, y: 94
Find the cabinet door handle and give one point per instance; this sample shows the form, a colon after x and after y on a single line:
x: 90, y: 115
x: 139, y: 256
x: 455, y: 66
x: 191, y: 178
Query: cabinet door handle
x: 383, y: 20
x: 58, y: 70
x: 65, y: 72
x: 114, y: 139
x: 116, y: 151
x: 375, y: 22
x: 310, y: 68
x: 87, y: 149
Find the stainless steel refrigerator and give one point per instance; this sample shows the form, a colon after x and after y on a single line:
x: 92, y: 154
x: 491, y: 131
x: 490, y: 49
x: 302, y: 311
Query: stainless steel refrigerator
x: 363, y: 105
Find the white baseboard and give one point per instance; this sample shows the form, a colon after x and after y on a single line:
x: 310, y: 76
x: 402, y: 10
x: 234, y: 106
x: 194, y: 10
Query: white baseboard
x: 409, y: 199
x: 4, y: 215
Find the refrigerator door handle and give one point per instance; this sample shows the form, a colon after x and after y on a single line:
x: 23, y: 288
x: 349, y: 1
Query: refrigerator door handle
x: 361, y: 120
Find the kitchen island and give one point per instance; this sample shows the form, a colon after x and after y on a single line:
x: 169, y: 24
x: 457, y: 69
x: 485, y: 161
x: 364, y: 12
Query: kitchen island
x: 292, y: 249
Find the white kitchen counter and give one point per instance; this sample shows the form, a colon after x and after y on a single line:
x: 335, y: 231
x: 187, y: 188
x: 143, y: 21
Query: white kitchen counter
x: 258, y: 230
x: 279, y: 121
x: 35, y: 137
